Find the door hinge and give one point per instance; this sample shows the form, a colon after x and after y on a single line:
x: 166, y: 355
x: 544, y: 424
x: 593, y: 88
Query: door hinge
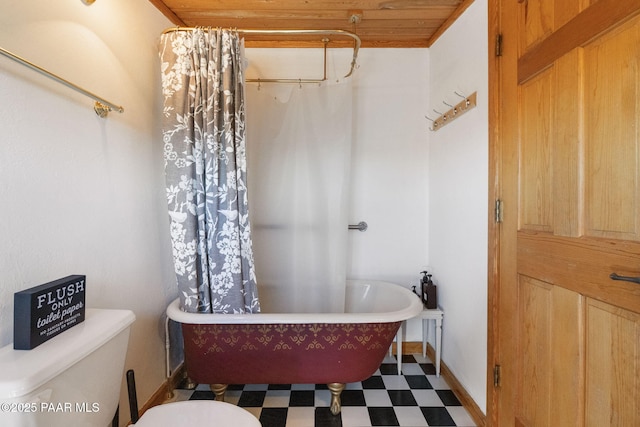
x: 498, y: 211
x: 499, y: 45
x: 496, y: 376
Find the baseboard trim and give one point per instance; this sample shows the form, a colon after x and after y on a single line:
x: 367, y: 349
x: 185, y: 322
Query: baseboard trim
x: 165, y: 391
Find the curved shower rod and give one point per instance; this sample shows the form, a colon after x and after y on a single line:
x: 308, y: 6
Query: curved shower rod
x: 356, y: 46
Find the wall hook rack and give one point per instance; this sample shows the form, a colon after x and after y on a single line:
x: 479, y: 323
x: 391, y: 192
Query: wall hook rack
x: 456, y: 111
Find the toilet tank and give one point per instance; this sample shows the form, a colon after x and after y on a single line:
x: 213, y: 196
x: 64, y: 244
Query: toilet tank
x: 73, y: 379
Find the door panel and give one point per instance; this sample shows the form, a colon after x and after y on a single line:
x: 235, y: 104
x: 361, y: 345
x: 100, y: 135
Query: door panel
x: 613, y: 386
x: 568, y: 338
x: 536, y: 195
x: 534, y: 308
x: 567, y: 368
x: 567, y: 10
x: 541, y: 18
x: 568, y: 145
x: 538, y: 21
x: 551, y: 357
x: 611, y: 134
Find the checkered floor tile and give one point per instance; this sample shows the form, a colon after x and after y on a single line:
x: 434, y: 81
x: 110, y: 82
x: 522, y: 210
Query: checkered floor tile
x: 415, y: 398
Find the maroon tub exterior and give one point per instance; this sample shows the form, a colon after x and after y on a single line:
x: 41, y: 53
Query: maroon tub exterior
x: 312, y: 353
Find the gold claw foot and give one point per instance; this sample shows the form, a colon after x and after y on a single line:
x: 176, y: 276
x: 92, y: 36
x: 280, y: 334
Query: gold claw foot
x: 336, y: 389
x: 219, y: 390
x: 190, y: 384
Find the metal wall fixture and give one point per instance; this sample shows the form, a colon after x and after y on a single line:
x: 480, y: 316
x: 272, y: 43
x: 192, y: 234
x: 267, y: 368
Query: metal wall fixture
x: 102, y: 107
x: 325, y: 40
x: 361, y: 226
x: 468, y: 103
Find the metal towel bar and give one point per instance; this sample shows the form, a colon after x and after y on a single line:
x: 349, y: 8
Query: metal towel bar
x: 362, y: 226
x: 101, y: 106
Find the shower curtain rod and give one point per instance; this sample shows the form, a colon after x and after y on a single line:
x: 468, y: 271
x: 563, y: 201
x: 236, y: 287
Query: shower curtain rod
x: 101, y: 107
x: 356, y: 48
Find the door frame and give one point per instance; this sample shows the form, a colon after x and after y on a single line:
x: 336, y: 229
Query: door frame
x: 494, y: 237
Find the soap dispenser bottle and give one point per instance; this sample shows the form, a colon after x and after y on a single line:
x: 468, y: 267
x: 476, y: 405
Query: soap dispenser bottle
x: 429, y: 294
x: 423, y: 287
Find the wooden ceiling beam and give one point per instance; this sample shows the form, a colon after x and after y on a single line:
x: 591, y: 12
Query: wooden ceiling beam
x: 178, y: 5
x: 382, y: 23
x: 389, y: 43
x: 253, y: 23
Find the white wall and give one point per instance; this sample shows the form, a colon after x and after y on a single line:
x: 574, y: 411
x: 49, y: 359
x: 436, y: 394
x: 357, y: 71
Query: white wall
x: 458, y: 174
x: 81, y: 194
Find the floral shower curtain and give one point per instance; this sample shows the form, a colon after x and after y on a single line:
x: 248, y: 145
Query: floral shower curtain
x: 205, y: 168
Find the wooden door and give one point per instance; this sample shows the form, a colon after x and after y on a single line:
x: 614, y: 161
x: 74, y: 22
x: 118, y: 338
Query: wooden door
x: 567, y: 150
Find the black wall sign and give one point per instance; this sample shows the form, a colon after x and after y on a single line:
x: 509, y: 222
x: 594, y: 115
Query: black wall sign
x: 42, y: 312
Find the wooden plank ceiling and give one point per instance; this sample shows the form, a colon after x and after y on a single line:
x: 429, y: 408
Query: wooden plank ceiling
x: 378, y: 23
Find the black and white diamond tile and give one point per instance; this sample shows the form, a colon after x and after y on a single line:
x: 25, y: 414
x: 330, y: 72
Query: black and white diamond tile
x: 414, y: 399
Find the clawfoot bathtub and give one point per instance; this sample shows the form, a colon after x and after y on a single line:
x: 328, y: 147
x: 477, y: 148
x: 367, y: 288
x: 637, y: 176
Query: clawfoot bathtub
x: 297, y: 348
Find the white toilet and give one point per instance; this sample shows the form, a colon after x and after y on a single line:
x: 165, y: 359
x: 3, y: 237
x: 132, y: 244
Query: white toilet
x: 73, y: 379
x: 197, y: 413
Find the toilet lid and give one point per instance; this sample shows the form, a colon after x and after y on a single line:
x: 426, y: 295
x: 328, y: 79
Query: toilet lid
x: 197, y: 412
x: 23, y: 371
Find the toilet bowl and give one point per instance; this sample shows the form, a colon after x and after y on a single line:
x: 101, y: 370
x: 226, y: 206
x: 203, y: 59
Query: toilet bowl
x: 197, y: 413
x: 73, y: 379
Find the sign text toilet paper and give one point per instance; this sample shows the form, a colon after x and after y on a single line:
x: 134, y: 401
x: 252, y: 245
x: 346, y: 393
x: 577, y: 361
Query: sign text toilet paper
x: 42, y: 312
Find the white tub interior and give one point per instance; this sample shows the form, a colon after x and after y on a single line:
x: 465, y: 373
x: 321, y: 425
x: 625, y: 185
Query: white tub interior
x: 367, y: 301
